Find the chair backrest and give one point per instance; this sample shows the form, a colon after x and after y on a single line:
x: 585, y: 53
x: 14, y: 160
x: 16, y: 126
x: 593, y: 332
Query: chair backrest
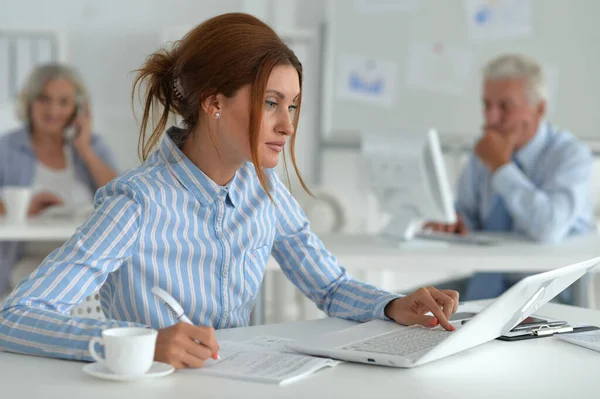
x: 326, y: 211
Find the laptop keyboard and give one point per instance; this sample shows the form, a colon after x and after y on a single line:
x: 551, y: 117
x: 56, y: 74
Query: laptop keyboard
x: 402, y: 342
x: 455, y: 238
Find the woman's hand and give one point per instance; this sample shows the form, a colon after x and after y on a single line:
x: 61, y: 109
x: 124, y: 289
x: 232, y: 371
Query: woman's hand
x: 184, y: 345
x: 83, y: 128
x: 412, y: 308
x: 42, y: 201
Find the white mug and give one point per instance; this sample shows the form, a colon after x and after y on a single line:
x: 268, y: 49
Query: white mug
x: 16, y: 201
x: 127, y: 350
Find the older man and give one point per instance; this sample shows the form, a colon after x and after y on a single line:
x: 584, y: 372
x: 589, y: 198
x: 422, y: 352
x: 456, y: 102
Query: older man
x: 525, y: 175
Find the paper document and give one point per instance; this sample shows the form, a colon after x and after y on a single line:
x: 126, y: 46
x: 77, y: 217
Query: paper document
x: 366, y: 80
x: 439, y: 67
x: 273, y: 344
x: 263, y: 359
x: 489, y: 20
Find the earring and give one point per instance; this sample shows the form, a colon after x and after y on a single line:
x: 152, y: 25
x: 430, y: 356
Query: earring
x: 217, y: 115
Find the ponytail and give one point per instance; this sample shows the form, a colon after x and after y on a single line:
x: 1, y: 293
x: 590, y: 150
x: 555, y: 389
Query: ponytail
x: 158, y: 75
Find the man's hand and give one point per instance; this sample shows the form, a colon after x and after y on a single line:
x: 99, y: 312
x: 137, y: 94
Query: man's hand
x: 455, y: 228
x: 412, y: 308
x: 495, y: 148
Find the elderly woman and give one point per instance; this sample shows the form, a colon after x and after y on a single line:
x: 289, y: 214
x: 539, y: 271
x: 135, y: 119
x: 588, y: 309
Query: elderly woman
x: 54, y: 153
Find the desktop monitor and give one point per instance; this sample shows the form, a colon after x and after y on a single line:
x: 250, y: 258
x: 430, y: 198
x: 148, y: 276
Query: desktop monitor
x: 407, y: 175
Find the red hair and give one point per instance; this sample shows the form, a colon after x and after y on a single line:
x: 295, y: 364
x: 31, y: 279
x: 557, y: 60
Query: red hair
x: 219, y: 56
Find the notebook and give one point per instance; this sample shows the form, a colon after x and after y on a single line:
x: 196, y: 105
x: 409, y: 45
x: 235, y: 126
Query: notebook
x: 263, y: 359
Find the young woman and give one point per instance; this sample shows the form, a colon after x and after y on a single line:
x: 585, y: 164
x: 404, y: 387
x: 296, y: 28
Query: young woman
x: 54, y: 153
x: 202, y: 215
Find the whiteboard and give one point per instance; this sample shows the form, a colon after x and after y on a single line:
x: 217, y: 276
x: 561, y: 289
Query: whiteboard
x: 407, y: 34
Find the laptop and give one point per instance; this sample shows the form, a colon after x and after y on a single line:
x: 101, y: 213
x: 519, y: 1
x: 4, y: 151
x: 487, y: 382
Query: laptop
x: 386, y: 343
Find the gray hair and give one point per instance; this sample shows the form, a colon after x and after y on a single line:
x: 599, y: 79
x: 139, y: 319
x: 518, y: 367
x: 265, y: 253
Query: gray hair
x: 510, y: 66
x: 38, y: 78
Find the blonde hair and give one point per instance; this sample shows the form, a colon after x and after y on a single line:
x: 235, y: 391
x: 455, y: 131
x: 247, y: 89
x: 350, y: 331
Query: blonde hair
x: 509, y: 66
x: 38, y: 78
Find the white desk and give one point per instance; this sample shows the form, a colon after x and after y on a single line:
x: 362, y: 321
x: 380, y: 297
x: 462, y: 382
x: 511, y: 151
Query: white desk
x: 40, y: 229
x: 358, y: 253
x: 512, y: 255
x: 540, y: 368
x: 430, y: 263
x: 423, y: 264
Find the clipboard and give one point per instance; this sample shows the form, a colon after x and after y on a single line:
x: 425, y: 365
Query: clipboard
x: 545, y: 331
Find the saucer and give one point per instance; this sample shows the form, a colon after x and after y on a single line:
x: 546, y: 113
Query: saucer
x: 98, y: 370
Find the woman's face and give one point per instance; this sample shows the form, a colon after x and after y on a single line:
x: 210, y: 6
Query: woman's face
x: 279, y: 107
x: 54, y: 108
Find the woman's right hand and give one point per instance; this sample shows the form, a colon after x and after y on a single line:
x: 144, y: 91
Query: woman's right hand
x: 184, y: 345
x: 42, y: 201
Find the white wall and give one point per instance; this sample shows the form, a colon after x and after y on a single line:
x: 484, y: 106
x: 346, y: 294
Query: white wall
x: 109, y: 39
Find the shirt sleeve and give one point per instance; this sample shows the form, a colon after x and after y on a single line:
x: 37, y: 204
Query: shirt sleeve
x: 315, y: 271
x: 467, y: 201
x: 35, y: 319
x: 547, y: 211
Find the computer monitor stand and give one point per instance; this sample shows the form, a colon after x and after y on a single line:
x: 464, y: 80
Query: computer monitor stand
x: 402, y: 228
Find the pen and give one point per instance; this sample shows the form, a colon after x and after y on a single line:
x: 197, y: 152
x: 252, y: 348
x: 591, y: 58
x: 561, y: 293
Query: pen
x: 175, y: 308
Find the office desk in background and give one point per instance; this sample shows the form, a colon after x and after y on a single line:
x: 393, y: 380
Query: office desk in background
x: 539, y: 368
x: 418, y: 264
x: 362, y: 252
x: 512, y: 254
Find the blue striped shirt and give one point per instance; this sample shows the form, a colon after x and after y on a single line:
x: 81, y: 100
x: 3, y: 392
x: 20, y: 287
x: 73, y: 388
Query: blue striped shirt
x: 167, y: 224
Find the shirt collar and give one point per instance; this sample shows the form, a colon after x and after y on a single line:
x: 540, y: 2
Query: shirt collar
x: 189, y: 175
x: 529, y: 154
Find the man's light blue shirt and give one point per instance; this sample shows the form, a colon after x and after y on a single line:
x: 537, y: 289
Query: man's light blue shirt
x: 546, y: 191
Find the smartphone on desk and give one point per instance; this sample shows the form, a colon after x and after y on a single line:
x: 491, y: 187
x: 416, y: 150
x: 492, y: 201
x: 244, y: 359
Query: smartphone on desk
x: 536, y: 327
x: 462, y: 316
x: 533, y: 322
x: 527, y: 324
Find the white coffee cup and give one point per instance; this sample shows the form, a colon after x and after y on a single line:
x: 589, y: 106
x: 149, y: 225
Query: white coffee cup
x: 127, y: 350
x: 16, y: 203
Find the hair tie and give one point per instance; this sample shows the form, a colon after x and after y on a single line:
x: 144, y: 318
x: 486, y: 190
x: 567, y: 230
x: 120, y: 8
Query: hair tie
x: 178, y: 89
